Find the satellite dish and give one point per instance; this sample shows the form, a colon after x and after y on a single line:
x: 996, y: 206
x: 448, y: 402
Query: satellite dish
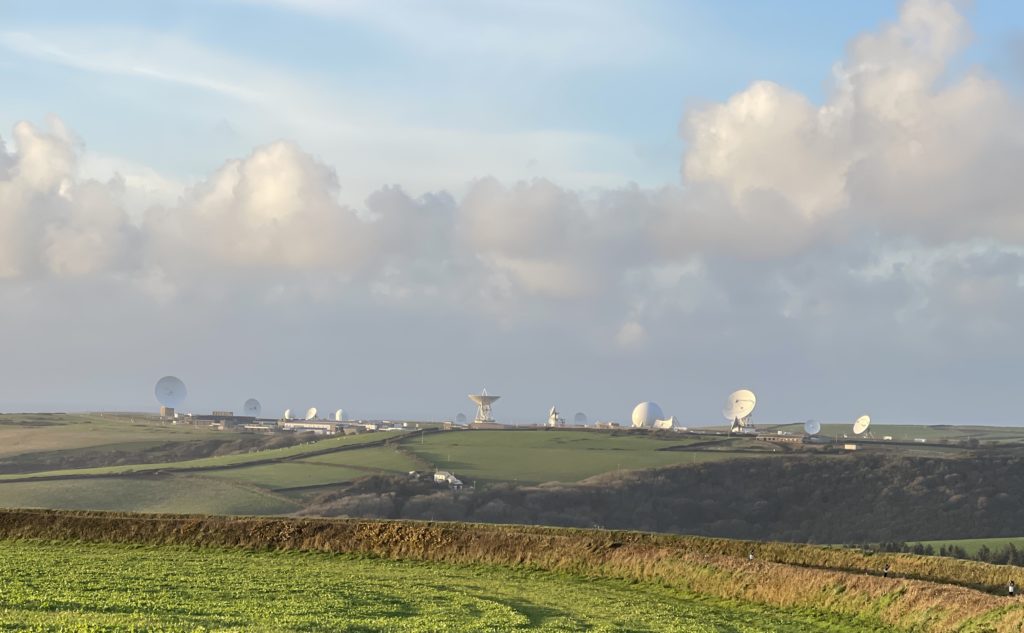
x: 287, y: 414
x: 170, y: 391
x: 812, y: 427
x: 339, y: 415
x: 311, y: 413
x: 460, y: 418
x: 738, y: 407
x: 483, y: 402
x: 252, y: 407
x: 861, y: 425
x: 645, y: 414
x: 580, y: 418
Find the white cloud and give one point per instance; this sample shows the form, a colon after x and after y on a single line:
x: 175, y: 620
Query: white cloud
x: 884, y: 223
x: 51, y: 223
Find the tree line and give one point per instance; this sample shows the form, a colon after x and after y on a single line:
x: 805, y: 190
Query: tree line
x: 846, y: 498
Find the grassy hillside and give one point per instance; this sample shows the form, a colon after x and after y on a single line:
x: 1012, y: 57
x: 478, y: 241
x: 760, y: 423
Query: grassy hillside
x: 783, y: 586
x: 291, y: 452
x: 35, y: 432
x: 171, y: 493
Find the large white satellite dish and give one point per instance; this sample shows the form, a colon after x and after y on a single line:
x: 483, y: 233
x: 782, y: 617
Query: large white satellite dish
x: 339, y: 415
x: 483, y: 402
x: 252, y: 408
x: 287, y: 414
x: 738, y: 407
x: 861, y: 425
x: 311, y: 413
x: 170, y: 391
x: 812, y: 427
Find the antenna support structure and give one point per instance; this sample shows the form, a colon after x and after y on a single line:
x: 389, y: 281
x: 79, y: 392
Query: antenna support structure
x: 483, y: 407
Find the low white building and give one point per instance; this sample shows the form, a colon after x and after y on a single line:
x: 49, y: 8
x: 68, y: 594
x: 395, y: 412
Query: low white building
x: 445, y: 477
x: 320, y: 427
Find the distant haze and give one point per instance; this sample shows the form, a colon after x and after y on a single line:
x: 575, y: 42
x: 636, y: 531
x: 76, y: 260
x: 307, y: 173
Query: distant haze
x: 583, y: 208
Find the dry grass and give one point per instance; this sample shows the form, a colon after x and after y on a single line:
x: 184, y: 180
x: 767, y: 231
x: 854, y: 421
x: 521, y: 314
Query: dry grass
x: 790, y: 576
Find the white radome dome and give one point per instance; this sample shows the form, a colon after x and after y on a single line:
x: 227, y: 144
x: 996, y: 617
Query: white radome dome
x: 646, y: 414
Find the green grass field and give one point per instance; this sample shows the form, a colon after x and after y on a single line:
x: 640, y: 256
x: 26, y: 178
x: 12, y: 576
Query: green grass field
x: 541, y: 456
x: 931, y: 433
x: 972, y: 545
x: 223, y: 460
x: 169, y: 493
x: 29, y: 433
x: 100, y: 587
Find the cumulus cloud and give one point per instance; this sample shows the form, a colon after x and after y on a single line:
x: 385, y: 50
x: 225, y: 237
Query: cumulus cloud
x: 50, y: 222
x: 884, y: 220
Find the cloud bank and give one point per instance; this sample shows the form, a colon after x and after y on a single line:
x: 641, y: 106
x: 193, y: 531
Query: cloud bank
x: 873, y: 240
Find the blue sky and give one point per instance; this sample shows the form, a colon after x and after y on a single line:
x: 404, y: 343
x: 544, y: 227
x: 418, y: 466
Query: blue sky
x: 177, y: 87
x: 609, y: 201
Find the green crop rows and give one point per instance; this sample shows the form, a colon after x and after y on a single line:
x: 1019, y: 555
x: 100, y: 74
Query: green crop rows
x: 95, y: 587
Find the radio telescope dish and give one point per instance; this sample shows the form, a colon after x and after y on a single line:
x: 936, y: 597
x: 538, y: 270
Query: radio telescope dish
x: 483, y: 406
x: 460, y: 418
x: 311, y: 413
x: 287, y: 414
x: 646, y: 414
x: 252, y: 408
x: 170, y: 391
x: 738, y: 407
x: 812, y: 427
x: 339, y: 415
x: 555, y: 418
x: 861, y: 425
x: 580, y: 418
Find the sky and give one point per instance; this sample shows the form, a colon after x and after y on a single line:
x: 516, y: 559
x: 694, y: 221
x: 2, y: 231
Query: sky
x: 385, y: 206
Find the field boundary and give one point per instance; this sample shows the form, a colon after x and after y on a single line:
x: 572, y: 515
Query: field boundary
x: 715, y: 567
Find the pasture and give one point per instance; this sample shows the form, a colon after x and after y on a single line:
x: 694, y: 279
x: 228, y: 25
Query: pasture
x: 37, y: 432
x: 537, y: 456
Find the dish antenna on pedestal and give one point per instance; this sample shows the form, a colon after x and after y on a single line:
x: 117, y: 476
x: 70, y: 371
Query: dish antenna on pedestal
x: 252, y: 408
x: 738, y: 407
x: 812, y: 427
x: 170, y: 391
x: 339, y: 415
x: 555, y: 418
x: 483, y: 406
x: 287, y: 414
x: 311, y: 413
x: 861, y: 426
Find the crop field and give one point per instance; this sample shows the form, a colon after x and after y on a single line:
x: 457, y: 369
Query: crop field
x: 89, y: 586
x: 541, y: 456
